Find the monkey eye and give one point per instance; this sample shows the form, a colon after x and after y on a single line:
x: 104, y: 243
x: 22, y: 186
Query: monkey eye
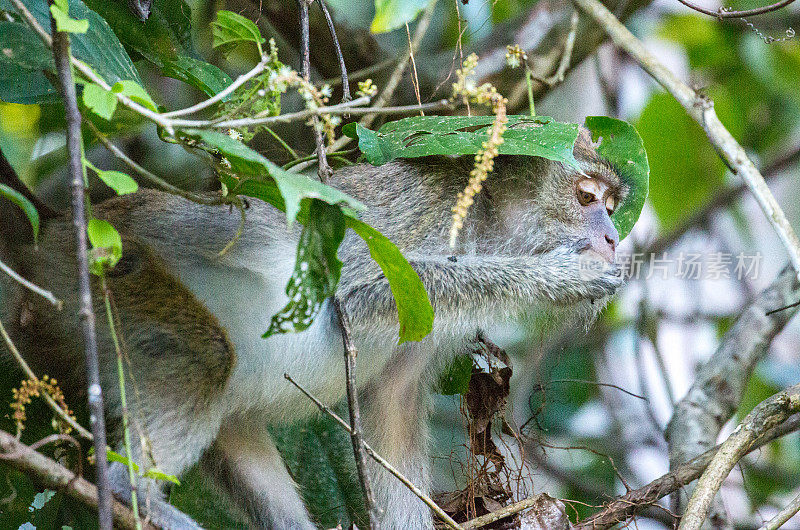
x: 611, y: 204
x: 587, y: 191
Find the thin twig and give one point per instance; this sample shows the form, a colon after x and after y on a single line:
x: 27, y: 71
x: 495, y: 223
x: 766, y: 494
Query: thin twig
x: 242, y: 79
x: 153, y: 179
x: 338, y: 49
x: 44, y: 293
x: 379, y: 459
x: 702, y: 110
x: 323, y: 168
x: 30, y: 374
x: 502, y: 513
x: 414, y: 76
x: 397, y: 74
x: 566, y: 57
x: 50, y: 474
x: 339, y: 108
x: 724, y: 13
x: 786, y: 513
x: 62, y: 56
x: 767, y: 414
x: 357, y: 435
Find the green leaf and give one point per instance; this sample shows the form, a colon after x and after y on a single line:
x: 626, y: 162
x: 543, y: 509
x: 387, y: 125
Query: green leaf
x: 116, y: 180
x: 455, y: 380
x: 99, y: 47
x: 391, y: 14
x: 622, y: 146
x: 20, y: 45
x: 200, y: 74
x: 465, y: 135
x: 687, y: 171
x: 134, y: 90
x: 60, y: 9
x: 99, y: 100
x: 157, y: 474
x: 232, y: 28
x: 106, y: 245
x: 156, y: 39
x: 267, y: 181
x: 24, y: 85
x: 27, y: 206
x: 316, y: 271
x: 414, y: 309
x: 153, y: 472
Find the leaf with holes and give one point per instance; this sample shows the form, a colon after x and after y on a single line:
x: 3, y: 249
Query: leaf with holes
x: 253, y: 175
x: 316, y: 271
x: 465, y: 135
x: 621, y: 145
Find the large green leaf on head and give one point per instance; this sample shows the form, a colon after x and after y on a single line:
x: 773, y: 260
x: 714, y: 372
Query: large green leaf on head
x: 619, y: 143
x: 99, y: 47
x: 465, y: 135
x: 526, y: 135
x: 253, y: 175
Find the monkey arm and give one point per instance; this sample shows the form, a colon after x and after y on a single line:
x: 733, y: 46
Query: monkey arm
x: 486, y: 284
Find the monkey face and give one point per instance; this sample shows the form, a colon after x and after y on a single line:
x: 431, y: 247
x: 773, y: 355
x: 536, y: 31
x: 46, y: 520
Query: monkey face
x: 597, y: 200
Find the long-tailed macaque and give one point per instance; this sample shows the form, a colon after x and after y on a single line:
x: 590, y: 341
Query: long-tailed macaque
x: 539, y: 239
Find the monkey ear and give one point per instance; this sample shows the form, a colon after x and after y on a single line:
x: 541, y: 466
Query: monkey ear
x: 619, y: 143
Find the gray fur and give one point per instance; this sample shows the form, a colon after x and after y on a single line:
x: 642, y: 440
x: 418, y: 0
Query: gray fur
x: 192, y: 321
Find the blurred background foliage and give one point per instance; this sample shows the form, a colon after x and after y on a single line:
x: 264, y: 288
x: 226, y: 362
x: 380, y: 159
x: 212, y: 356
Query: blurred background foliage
x: 581, y: 437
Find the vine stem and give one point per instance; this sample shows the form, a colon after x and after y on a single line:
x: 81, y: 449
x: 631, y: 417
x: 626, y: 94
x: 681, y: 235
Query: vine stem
x: 701, y: 109
x: 126, y: 432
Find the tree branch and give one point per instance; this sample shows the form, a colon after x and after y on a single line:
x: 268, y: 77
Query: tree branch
x: 767, y: 414
x: 633, y: 502
x: 52, y: 475
x: 62, y: 57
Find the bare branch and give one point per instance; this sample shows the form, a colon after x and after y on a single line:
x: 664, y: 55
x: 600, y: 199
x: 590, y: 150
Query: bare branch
x: 786, y: 513
x: 52, y: 475
x: 767, y: 414
x: 724, y: 13
x: 44, y: 293
x: 633, y: 502
x: 380, y: 460
x: 63, y: 62
x: 357, y: 435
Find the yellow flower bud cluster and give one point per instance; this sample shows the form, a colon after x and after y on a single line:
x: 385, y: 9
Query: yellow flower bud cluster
x: 31, y: 388
x: 515, y: 56
x: 486, y: 94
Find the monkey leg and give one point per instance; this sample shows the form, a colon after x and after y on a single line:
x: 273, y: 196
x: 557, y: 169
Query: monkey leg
x: 246, y: 463
x: 395, y: 425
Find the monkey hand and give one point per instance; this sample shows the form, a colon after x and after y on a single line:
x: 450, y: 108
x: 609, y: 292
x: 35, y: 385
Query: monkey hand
x: 583, y: 273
